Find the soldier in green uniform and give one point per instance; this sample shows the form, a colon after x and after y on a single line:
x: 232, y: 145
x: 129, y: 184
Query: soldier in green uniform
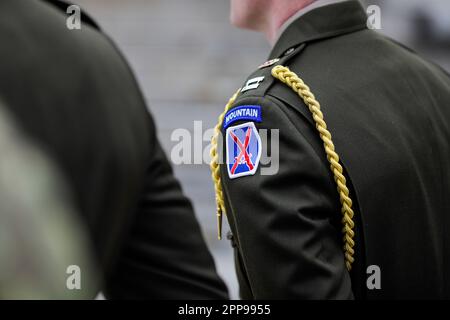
x: 360, y: 204
x: 41, y: 236
x: 74, y: 95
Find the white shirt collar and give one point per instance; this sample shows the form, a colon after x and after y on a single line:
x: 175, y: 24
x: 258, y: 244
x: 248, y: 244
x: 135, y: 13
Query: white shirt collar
x: 316, y: 4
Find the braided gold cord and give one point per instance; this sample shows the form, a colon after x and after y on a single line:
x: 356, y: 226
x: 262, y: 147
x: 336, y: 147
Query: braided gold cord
x: 215, y: 167
x: 295, y: 83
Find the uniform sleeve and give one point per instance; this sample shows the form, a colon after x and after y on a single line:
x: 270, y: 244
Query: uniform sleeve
x: 165, y: 256
x: 286, y: 221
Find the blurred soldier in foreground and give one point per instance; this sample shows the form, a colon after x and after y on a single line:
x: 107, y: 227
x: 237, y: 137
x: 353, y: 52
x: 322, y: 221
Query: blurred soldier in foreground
x: 360, y: 205
x: 41, y: 237
x: 74, y: 94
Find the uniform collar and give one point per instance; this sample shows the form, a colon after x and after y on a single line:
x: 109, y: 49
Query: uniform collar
x: 319, y: 23
x: 316, y: 4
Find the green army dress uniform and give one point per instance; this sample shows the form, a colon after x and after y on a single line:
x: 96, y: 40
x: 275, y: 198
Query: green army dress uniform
x: 388, y: 112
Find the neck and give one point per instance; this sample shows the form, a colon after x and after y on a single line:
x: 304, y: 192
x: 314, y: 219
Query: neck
x: 280, y: 12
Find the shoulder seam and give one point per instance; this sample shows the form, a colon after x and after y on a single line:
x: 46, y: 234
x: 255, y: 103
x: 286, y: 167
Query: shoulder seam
x: 278, y: 103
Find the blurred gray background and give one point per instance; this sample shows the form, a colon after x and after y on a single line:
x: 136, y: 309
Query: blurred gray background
x: 189, y: 61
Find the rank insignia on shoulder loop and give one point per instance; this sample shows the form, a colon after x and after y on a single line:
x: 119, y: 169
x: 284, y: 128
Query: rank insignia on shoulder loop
x: 243, y: 150
x: 252, y: 84
x: 268, y: 63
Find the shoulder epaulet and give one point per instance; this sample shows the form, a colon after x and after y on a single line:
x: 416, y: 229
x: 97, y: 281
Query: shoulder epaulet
x: 261, y: 80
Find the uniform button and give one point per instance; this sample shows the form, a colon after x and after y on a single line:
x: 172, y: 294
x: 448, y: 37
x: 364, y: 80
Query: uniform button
x: 231, y: 238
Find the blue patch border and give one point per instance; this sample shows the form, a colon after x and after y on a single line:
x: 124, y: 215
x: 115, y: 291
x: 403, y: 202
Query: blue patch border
x: 258, y: 118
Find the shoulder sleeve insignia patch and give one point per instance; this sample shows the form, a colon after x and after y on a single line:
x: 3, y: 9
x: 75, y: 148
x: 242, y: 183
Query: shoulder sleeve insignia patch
x: 252, y: 113
x: 243, y: 150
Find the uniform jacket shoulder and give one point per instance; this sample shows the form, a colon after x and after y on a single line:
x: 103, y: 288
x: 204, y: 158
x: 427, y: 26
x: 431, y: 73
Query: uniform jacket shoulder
x: 261, y: 80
